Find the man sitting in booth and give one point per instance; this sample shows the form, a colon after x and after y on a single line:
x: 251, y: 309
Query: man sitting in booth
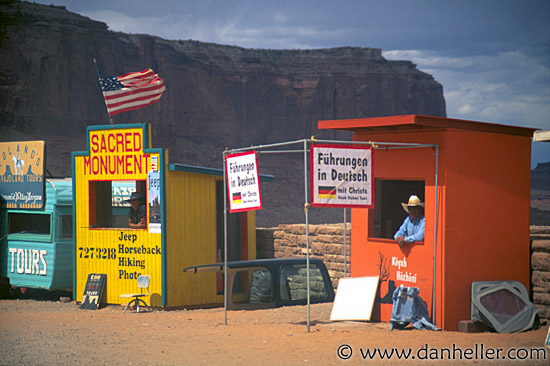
x: 137, y: 213
x: 413, y: 227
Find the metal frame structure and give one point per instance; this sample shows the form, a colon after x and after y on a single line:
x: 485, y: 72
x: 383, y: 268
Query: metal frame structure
x: 305, y: 150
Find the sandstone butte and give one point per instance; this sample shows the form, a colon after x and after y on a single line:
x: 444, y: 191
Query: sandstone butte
x: 217, y: 96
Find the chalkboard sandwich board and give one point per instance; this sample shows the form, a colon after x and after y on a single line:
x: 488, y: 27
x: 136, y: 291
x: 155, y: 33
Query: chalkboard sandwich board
x: 93, y: 291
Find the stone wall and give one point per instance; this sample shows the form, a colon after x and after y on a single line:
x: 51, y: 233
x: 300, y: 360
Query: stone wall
x: 327, y: 244
x: 540, y: 270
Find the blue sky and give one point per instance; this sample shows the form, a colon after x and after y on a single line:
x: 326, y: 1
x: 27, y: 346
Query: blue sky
x: 491, y: 56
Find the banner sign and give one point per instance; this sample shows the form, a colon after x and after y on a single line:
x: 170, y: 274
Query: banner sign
x: 115, y: 153
x: 341, y: 176
x: 22, y: 174
x: 154, y: 202
x: 243, y: 183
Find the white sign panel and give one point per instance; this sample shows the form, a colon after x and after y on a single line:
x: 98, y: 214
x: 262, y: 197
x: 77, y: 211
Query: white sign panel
x: 355, y: 298
x: 341, y: 176
x: 243, y: 183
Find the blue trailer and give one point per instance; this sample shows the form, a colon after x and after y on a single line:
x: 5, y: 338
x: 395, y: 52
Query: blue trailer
x: 36, y: 246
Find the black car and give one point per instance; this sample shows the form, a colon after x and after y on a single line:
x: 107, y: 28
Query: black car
x: 272, y: 283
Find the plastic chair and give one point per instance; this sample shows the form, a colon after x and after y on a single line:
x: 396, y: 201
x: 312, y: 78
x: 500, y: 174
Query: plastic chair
x: 143, y: 283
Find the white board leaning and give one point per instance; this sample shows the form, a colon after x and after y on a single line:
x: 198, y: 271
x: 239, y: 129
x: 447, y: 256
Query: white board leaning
x: 243, y: 183
x: 355, y: 298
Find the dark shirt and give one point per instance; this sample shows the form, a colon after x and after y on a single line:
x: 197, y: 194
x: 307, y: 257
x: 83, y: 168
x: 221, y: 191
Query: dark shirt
x: 136, y: 216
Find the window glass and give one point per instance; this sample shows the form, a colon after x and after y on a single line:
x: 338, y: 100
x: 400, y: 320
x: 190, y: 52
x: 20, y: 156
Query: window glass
x: 294, y: 282
x: 121, y: 191
x: 503, y: 305
x: 388, y: 212
x: 65, y: 226
x: 108, y: 206
x: 28, y: 223
x: 259, y: 292
x: 260, y: 289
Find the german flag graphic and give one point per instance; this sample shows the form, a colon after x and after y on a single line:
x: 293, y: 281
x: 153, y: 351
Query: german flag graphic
x: 237, y: 197
x: 327, y: 192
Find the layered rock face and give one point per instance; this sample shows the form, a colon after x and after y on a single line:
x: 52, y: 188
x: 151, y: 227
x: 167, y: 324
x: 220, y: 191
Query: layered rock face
x: 216, y: 96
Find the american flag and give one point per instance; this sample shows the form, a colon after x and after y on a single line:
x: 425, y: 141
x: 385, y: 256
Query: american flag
x: 131, y: 91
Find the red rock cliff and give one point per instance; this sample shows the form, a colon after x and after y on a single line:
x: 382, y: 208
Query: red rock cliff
x: 217, y: 96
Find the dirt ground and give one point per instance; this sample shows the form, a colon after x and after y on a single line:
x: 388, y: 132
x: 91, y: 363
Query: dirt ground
x: 34, y: 332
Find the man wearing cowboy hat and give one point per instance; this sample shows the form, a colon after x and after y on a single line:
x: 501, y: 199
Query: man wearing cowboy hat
x: 137, y: 213
x: 413, y: 227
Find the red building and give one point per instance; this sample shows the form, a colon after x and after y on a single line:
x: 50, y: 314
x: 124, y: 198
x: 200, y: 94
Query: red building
x: 475, y: 182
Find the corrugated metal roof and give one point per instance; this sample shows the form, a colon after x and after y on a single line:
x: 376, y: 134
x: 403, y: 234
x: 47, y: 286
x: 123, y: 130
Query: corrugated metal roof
x: 62, y: 190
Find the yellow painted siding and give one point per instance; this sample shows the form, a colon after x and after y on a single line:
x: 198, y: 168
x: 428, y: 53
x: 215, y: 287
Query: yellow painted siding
x: 121, y: 254
x: 191, y: 237
x: 189, y: 227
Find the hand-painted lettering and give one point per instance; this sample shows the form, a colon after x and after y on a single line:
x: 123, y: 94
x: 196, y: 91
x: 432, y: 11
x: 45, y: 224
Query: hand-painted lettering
x: 93, y: 142
x: 124, y: 275
x: 44, y: 269
x: 131, y: 262
x: 128, y: 162
x: 405, y: 276
x: 97, y: 253
x: 28, y: 261
x: 118, y: 142
x: 128, y: 141
x: 137, y: 141
x: 396, y: 262
x: 127, y: 237
x: 115, y: 164
x: 123, y: 249
x: 103, y: 147
x: 119, y: 139
x: 111, y: 142
x: 402, y: 275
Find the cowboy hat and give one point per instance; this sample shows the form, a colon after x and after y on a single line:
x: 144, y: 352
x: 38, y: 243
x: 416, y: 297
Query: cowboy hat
x: 413, y: 201
x: 134, y: 196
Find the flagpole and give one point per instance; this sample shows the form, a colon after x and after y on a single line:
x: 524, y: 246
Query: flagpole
x: 99, y: 79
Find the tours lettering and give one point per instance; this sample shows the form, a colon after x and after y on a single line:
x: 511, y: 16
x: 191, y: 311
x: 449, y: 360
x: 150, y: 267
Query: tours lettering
x: 29, y: 261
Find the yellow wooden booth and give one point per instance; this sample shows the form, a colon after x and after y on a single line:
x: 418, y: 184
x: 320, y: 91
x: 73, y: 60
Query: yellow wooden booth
x: 185, y: 221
